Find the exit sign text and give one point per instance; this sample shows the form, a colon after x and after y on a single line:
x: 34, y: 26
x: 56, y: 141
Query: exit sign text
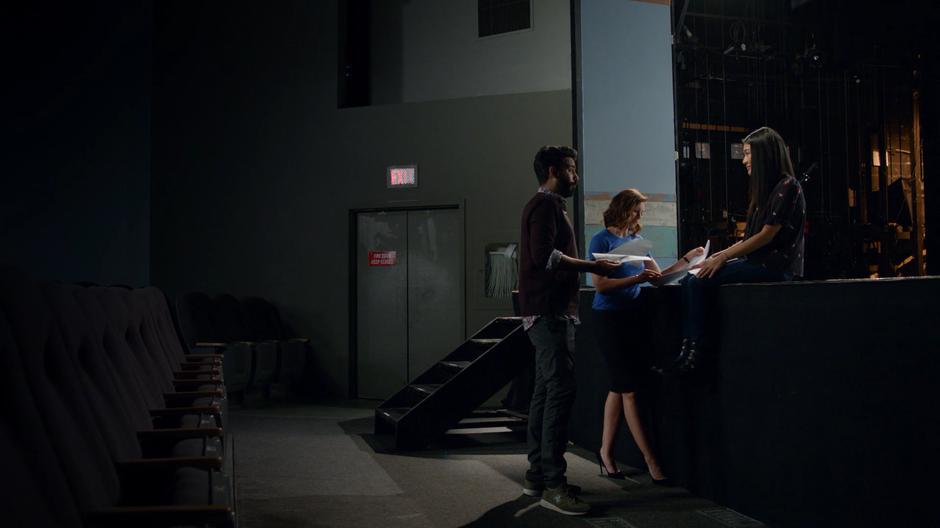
x: 402, y: 176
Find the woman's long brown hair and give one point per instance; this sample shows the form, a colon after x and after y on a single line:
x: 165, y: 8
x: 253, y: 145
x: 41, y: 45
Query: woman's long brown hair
x: 620, y: 208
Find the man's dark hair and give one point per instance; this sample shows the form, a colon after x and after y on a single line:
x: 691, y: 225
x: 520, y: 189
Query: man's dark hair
x: 551, y: 156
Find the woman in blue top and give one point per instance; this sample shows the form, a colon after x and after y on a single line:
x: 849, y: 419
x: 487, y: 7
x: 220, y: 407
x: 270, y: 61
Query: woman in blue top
x: 616, y: 314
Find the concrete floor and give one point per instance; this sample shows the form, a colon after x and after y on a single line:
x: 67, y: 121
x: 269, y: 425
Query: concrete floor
x: 320, y: 466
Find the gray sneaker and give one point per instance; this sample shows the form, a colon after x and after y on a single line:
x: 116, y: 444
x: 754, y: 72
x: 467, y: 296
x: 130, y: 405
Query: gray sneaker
x: 562, y: 500
x: 534, y: 488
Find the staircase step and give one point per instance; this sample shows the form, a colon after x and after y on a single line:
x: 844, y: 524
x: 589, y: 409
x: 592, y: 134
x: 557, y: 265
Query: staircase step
x: 456, y: 364
x: 426, y: 388
x: 490, y: 422
x: 394, y: 413
x: 486, y: 342
x: 478, y: 430
x: 447, y: 396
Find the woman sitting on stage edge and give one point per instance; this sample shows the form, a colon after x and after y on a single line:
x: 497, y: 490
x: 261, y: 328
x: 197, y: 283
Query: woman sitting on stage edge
x: 772, y: 249
x: 617, y: 317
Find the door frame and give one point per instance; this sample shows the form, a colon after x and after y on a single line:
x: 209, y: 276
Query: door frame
x: 353, y: 315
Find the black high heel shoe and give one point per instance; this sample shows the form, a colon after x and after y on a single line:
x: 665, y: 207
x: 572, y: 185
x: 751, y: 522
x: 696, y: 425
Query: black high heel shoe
x: 604, y: 473
x: 666, y: 482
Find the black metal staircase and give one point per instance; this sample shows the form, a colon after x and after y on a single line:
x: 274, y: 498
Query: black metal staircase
x: 454, y: 387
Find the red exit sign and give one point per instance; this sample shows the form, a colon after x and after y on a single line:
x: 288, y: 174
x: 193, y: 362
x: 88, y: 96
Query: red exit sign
x: 383, y: 258
x: 402, y: 176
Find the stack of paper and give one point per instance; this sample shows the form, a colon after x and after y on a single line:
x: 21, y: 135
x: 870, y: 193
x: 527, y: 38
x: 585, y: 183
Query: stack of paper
x: 620, y: 258
x: 636, y: 250
x: 636, y: 247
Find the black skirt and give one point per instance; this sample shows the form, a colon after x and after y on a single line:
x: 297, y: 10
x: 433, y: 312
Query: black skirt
x: 623, y: 343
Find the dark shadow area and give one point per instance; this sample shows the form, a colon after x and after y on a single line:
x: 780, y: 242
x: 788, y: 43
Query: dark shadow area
x: 75, y: 196
x: 524, y: 511
x: 497, y: 443
x: 633, y: 506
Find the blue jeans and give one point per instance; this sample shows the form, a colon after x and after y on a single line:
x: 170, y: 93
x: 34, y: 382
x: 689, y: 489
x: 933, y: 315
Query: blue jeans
x: 552, y: 398
x: 696, y: 292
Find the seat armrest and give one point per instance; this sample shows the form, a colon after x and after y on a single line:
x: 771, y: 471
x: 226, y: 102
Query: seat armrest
x: 210, y: 344
x: 157, y: 464
x: 179, y: 411
x: 214, y: 357
x: 192, y: 374
x: 205, y: 368
x: 195, y: 383
x: 123, y: 516
x: 194, y: 394
x: 214, y: 410
x: 189, y: 396
x: 179, y: 433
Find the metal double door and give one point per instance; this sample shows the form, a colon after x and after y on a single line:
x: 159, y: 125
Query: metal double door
x: 409, y: 295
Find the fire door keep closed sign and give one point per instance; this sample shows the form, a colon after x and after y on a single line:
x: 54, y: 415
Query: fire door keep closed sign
x: 383, y: 258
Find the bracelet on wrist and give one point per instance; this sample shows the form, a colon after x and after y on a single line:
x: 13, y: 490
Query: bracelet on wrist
x: 687, y: 261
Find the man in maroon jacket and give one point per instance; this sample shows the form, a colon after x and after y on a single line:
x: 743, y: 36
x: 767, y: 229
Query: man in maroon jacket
x: 548, y: 299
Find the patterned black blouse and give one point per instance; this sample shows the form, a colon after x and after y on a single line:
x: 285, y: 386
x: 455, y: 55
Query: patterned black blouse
x: 786, y: 207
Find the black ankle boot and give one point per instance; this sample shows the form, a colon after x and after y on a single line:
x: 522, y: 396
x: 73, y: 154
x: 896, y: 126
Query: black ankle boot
x: 689, y: 355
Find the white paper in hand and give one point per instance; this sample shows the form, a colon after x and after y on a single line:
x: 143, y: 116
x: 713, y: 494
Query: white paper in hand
x: 700, y: 258
x: 637, y: 246
x: 620, y: 258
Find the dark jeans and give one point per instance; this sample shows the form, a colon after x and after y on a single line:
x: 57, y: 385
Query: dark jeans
x: 553, y: 339
x: 698, y: 293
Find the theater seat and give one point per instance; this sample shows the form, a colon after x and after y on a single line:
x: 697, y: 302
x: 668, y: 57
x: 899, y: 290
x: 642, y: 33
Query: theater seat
x: 199, y: 325
x: 81, y: 419
x: 264, y: 324
x: 36, y: 493
x: 233, y: 327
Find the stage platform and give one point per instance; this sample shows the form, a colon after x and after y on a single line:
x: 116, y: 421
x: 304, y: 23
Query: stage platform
x: 819, y: 407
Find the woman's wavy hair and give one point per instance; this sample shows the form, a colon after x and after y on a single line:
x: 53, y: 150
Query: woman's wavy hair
x: 620, y: 208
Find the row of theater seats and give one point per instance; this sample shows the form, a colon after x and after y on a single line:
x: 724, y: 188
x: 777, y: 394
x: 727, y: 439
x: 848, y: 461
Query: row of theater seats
x: 107, y: 420
x: 259, y: 353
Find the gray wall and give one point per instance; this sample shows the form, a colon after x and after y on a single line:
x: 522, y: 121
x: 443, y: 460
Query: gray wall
x: 75, y: 191
x: 255, y: 170
x: 427, y: 50
x: 627, y: 117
